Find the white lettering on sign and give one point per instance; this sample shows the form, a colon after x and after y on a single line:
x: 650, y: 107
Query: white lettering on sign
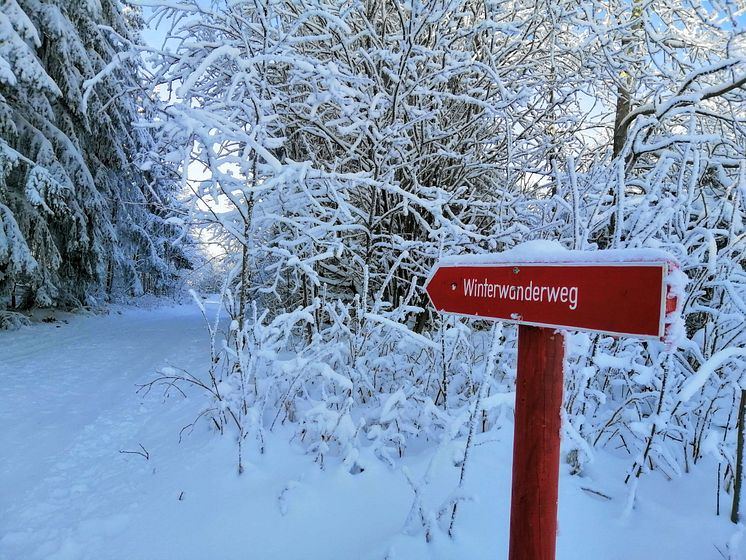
x: 550, y: 294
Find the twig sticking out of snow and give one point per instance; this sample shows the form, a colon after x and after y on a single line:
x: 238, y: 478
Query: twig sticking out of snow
x: 142, y: 453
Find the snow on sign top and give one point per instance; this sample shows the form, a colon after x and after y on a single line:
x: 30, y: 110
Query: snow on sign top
x: 546, y: 252
x: 619, y: 292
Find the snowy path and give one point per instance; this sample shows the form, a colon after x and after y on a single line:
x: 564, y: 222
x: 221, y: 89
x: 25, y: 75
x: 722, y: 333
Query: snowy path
x: 61, y: 380
x: 68, y: 406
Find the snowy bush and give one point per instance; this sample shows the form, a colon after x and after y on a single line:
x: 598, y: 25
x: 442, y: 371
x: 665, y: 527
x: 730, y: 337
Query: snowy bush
x: 345, y: 147
x: 10, y: 320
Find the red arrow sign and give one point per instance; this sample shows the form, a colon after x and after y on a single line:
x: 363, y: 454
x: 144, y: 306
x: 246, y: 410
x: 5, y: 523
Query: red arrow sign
x: 619, y: 298
x: 611, y: 298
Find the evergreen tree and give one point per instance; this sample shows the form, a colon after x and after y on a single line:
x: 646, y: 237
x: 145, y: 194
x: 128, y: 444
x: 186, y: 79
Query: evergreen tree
x: 80, y: 219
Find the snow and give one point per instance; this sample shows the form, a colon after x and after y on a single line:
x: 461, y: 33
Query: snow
x: 68, y: 408
x: 116, y: 62
x: 415, y: 337
x: 551, y: 252
x: 698, y: 380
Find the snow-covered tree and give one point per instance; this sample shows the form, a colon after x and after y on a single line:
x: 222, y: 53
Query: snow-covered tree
x: 81, y: 218
x: 342, y: 147
x: 674, y: 76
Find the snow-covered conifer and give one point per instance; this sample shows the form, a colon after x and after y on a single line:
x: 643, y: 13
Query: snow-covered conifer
x: 78, y: 205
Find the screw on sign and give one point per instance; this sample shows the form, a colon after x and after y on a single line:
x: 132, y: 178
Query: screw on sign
x: 543, y: 288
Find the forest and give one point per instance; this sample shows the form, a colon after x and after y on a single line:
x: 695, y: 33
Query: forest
x: 310, y: 161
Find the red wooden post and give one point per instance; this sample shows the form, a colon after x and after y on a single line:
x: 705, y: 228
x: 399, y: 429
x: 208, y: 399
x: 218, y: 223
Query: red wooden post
x: 533, y: 511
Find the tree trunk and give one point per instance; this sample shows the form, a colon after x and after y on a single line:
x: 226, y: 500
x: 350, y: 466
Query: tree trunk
x: 623, y: 107
x: 737, y: 487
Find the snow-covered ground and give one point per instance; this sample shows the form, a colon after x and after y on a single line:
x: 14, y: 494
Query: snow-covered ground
x: 68, y: 407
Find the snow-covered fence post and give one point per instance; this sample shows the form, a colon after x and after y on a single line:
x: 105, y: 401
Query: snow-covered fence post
x: 543, y: 287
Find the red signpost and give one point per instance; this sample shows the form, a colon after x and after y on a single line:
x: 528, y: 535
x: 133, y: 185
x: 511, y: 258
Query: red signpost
x: 617, y: 298
x: 536, y: 444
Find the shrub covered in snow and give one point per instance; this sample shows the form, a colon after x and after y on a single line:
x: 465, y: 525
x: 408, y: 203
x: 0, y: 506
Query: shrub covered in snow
x: 345, y: 149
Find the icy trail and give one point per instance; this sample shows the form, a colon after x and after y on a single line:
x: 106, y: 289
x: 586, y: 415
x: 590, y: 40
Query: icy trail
x: 68, y: 407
